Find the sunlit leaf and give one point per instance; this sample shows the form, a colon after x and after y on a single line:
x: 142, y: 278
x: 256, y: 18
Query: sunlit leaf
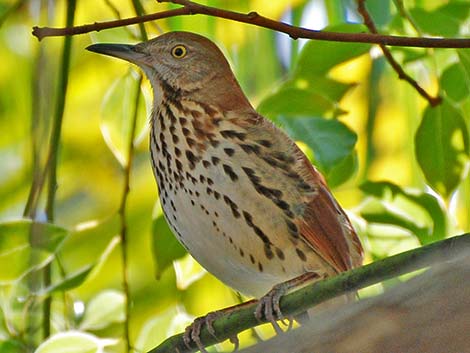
x: 187, y: 271
x: 76, y: 251
x: 420, y: 213
x: 104, y: 309
x: 442, y: 147
x: 330, y: 140
x: 74, y: 342
x: 165, y: 247
x: 168, y: 323
x: 117, y: 112
x: 27, y: 245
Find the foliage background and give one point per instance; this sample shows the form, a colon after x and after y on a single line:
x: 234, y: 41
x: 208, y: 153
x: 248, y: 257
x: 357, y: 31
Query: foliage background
x: 398, y: 166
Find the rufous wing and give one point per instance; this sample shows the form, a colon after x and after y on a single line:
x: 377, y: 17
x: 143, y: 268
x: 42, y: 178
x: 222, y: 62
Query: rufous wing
x: 326, y: 227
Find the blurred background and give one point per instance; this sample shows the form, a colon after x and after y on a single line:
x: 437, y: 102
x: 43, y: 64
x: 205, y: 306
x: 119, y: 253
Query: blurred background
x: 398, y: 166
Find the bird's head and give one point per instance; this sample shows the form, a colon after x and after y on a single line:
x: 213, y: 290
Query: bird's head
x: 181, y: 62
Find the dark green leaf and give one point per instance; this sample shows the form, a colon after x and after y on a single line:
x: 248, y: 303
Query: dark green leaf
x: 420, y: 213
x: 442, y: 147
x: 464, y: 56
x: 342, y: 171
x: 444, y: 20
x: 455, y: 83
x: 330, y: 140
x: 319, y: 57
x: 165, y: 247
x: 13, y: 346
x: 321, y: 85
x: 70, y: 282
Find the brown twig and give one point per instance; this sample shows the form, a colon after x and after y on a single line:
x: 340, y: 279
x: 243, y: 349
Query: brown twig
x: 402, y: 75
x: 253, y: 18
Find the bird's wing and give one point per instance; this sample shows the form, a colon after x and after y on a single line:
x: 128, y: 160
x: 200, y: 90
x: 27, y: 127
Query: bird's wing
x: 322, y: 223
x: 325, y: 226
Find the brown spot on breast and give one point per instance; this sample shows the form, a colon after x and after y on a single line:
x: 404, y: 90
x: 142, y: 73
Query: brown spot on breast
x: 229, y: 171
x: 250, y: 148
x: 280, y: 254
x: 265, y: 143
x: 301, y: 254
x: 268, y: 251
x: 229, y: 151
x: 215, y: 160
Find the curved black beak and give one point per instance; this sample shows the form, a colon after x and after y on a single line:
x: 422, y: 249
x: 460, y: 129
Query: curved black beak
x: 122, y: 51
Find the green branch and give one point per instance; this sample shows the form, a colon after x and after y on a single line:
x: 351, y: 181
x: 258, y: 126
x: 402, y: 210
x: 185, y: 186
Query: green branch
x: 229, y: 325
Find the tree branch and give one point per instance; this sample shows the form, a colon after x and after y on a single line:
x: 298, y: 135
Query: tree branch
x: 402, y: 75
x: 232, y: 323
x: 253, y: 18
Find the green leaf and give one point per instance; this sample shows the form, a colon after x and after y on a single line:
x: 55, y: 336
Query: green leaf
x: 442, y: 146
x: 319, y: 57
x: 455, y: 82
x: 158, y: 328
x: 420, y: 213
x: 27, y: 245
x: 13, y: 346
x: 324, y: 86
x: 74, y: 342
x: 464, y: 56
x: 331, y: 141
x: 165, y: 247
x: 295, y: 101
x: 342, y: 171
x: 117, y: 112
x: 442, y: 21
x: 104, y: 309
x: 72, y: 281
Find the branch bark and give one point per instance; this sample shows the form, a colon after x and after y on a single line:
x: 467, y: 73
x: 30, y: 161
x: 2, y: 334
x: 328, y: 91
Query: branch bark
x: 253, y: 18
x: 232, y: 323
x: 429, y: 313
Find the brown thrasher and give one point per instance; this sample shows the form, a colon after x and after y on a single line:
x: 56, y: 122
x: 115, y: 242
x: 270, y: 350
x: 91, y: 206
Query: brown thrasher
x: 236, y: 191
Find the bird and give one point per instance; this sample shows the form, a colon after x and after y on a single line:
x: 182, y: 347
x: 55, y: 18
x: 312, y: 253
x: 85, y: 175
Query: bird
x: 236, y: 191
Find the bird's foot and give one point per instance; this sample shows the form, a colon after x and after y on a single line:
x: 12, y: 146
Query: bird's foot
x: 192, y: 333
x: 269, y: 309
x: 268, y: 306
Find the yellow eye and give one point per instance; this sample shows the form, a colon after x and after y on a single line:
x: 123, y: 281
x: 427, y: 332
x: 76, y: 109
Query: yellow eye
x: 178, y: 51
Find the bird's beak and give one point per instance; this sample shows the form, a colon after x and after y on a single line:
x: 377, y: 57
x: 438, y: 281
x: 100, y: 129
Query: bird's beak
x: 122, y: 51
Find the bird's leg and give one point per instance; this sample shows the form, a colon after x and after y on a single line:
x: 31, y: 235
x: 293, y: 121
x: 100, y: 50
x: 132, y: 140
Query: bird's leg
x: 192, y: 332
x: 268, y: 306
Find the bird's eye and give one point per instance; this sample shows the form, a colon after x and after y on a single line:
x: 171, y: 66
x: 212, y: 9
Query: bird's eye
x: 179, y: 51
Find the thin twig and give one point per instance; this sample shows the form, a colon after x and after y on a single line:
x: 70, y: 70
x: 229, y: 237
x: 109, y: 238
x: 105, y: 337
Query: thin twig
x: 236, y: 321
x: 122, y: 217
x: 253, y: 18
x: 125, y: 193
x: 54, y: 151
x: 402, y: 75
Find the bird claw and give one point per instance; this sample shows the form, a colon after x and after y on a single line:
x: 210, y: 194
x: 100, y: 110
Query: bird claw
x: 269, y: 309
x: 192, y: 333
